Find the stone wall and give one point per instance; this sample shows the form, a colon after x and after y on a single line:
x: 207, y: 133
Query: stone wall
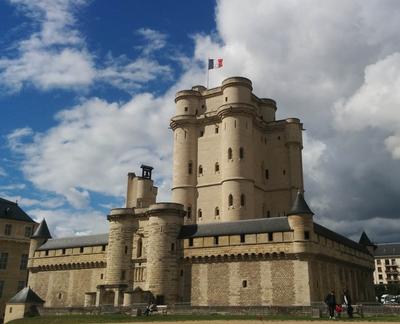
x: 249, y: 283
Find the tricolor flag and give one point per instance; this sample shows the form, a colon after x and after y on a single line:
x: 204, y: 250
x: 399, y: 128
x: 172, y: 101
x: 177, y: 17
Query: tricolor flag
x: 215, y: 63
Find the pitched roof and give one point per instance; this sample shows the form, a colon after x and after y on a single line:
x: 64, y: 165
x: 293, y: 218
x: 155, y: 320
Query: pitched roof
x: 387, y: 249
x: 11, y: 210
x: 321, y: 230
x: 42, y: 231
x: 300, y: 206
x: 364, y: 240
x: 250, y: 226
x: 26, y: 295
x: 75, y: 241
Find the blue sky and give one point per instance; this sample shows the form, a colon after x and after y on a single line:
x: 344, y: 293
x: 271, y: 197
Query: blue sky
x: 86, y: 93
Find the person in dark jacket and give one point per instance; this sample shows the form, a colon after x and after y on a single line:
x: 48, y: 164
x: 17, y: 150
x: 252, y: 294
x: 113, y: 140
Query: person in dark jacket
x: 330, y: 301
x: 347, y: 301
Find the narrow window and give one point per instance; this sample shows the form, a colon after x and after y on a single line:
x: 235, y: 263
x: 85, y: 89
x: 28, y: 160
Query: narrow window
x: 229, y: 154
x: 279, y: 138
x: 63, y: 251
x: 126, y: 249
x: 28, y: 231
x: 196, y: 112
x: 181, y: 273
x: 103, y: 248
x: 46, y: 253
x: 284, y: 171
x: 230, y: 201
x: 7, y: 229
x: 216, y: 240
x: 189, y: 212
x: 216, y: 130
x: 139, y: 248
x: 242, y: 200
x: 268, y: 214
x: 101, y: 276
x: 242, y: 238
x: 306, y: 235
x: 270, y: 237
x: 266, y: 174
x: 172, y: 247
x: 190, y: 167
x: 226, y: 99
x: 244, y: 283
x: 201, y: 133
x: 200, y: 213
x: 190, y: 241
x: 235, y: 123
x: 216, y: 167
x: 186, y: 108
x: 216, y: 211
x: 81, y: 249
x: 123, y: 275
x: 200, y: 170
x: 241, y: 153
x: 24, y: 262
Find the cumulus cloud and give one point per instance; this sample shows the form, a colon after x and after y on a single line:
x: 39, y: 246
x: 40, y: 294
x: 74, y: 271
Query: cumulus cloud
x: 56, y: 55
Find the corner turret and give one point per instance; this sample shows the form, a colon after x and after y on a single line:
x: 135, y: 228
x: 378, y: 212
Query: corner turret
x: 39, y: 237
x: 300, y: 219
x: 364, y: 240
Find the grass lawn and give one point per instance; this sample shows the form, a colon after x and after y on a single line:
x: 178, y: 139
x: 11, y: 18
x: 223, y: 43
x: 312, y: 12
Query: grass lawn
x: 120, y: 318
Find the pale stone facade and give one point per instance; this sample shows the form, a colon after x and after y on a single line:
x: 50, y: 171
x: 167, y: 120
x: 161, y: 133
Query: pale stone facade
x: 387, y: 264
x: 16, y: 228
x: 237, y: 233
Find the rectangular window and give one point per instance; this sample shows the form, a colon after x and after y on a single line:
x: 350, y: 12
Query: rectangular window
x: 380, y: 277
x: 216, y: 240
x: 244, y: 283
x: 270, y: 237
x: 378, y: 261
x: 7, y: 229
x: 24, y: 262
x: 21, y: 285
x: 3, y: 260
x: 306, y: 235
x: 63, y: 251
x: 81, y: 249
x: 46, y: 253
x: 379, y: 269
x: 190, y: 167
x: 242, y: 238
x: 28, y: 231
x: 103, y: 247
x: 190, y: 241
x: 393, y: 261
x: 1, y: 288
x: 266, y: 174
x: 123, y: 275
x: 386, y: 261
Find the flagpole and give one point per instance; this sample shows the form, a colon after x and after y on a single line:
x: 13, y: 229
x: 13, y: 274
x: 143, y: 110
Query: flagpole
x: 208, y: 71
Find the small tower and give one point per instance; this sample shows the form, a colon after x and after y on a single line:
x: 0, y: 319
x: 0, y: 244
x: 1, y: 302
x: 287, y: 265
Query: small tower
x: 165, y: 222
x: 41, y: 235
x: 365, y: 241
x: 140, y: 190
x: 301, y: 222
x: 23, y: 304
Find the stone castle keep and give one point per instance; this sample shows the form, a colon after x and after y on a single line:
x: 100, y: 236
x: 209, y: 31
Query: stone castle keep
x: 237, y: 233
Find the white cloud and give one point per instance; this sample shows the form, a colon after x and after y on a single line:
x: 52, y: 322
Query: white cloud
x: 155, y: 40
x: 65, y: 222
x: 16, y: 186
x: 56, y: 56
x: 3, y: 172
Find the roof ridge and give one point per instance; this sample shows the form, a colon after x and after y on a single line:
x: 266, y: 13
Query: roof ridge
x: 9, y: 201
x: 72, y: 237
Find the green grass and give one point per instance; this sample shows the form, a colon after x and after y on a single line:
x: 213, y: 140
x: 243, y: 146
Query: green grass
x: 120, y: 318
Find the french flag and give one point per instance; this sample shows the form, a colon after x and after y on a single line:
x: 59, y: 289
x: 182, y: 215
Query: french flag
x: 215, y: 63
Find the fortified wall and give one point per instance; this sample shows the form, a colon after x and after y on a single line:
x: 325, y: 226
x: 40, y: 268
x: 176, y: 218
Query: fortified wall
x: 238, y: 232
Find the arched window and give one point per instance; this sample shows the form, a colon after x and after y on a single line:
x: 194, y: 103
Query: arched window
x: 241, y: 153
x: 229, y: 154
x: 230, y: 200
x: 216, y: 211
x: 189, y: 212
x: 216, y: 167
x: 242, y: 200
x: 200, y: 214
x: 139, y: 247
x: 200, y: 170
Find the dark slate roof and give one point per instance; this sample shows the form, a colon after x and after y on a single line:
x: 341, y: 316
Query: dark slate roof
x: 75, y: 241
x: 11, y: 210
x: 300, y: 206
x: 26, y: 295
x: 250, y: 226
x: 321, y: 230
x: 42, y: 231
x: 364, y: 240
x: 387, y: 249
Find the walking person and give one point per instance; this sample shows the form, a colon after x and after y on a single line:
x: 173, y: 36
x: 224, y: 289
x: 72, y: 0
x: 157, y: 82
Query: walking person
x: 347, y: 302
x: 330, y: 301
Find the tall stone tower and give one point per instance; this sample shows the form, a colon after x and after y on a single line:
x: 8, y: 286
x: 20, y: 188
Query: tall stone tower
x: 232, y: 159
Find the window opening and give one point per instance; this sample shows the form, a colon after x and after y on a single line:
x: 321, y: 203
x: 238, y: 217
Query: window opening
x: 230, y: 200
